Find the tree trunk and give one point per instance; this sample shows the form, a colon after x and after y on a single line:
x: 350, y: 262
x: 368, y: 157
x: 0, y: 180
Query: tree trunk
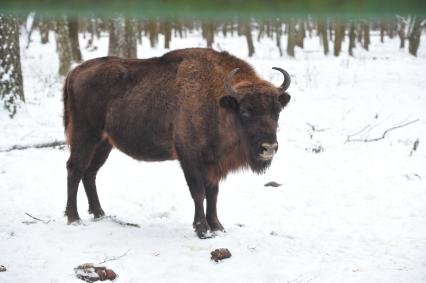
x: 339, y: 34
x: 63, y: 45
x: 91, y: 26
x: 300, y: 34
x: 43, y: 26
x: 352, y: 39
x: 246, y: 29
x: 178, y: 27
x: 131, y: 38
x: 262, y: 28
x: 122, y: 37
x: 309, y: 26
x: 278, y: 33
x: 73, y: 33
x: 366, y: 33
x: 414, y: 37
x: 322, y: 31
x: 11, y: 85
x: 269, y: 32
x: 382, y: 31
x: 291, y: 38
x: 359, y: 32
x: 30, y: 23
x: 401, y: 34
x: 153, y: 32
x: 167, y: 33
x: 208, y: 29
x: 117, y: 38
x: 225, y: 29
x: 391, y: 28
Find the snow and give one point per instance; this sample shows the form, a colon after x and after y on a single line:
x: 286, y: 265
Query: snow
x: 354, y: 212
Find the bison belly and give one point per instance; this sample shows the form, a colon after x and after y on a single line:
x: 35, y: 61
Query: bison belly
x: 141, y: 130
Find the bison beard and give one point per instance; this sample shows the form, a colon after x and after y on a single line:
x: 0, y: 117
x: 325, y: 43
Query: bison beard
x: 209, y: 110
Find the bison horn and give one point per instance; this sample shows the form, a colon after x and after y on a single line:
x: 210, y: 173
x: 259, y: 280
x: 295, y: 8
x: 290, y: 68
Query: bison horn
x: 228, y: 87
x: 287, y: 79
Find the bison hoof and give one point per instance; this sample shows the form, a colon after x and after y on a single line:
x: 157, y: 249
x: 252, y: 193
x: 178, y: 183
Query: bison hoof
x: 205, y: 235
x: 97, y: 212
x: 75, y: 219
x: 203, y: 230
x: 216, y: 226
x: 72, y: 216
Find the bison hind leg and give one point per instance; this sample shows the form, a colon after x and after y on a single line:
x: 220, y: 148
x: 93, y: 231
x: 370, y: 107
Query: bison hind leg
x: 82, y: 151
x: 102, y: 151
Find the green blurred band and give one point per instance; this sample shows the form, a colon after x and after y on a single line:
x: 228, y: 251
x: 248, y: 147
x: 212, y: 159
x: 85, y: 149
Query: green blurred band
x: 219, y: 8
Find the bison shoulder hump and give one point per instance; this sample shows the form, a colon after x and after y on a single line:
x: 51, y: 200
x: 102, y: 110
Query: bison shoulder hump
x: 114, y: 73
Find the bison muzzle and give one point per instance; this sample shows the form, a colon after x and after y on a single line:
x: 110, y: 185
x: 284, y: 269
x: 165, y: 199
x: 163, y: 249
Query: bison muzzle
x: 209, y: 110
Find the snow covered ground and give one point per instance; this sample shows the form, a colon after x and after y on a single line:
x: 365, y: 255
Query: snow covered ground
x: 354, y: 212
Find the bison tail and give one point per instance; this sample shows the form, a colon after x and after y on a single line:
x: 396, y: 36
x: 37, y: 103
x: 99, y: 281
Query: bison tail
x: 67, y: 108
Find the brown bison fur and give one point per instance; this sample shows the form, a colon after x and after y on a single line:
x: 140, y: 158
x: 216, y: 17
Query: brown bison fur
x: 166, y: 108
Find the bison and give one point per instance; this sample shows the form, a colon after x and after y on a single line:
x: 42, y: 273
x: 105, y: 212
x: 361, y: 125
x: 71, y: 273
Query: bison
x: 209, y: 110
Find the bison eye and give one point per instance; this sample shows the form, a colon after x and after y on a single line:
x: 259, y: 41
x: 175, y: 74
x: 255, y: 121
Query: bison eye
x: 245, y: 113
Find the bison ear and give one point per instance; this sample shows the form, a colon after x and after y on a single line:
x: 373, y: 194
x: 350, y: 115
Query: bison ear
x: 284, y: 99
x: 229, y: 102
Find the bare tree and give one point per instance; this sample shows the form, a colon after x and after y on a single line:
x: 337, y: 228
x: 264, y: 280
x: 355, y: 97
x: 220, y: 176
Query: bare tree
x: 11, y: 85
x: 382, y: 30
x: 63, y: 45
x: 208, y: 29
x: 152, y: 29
x: 130, y: 37
x: 44, y: 26
x: 352, y: 39
x: 122, y: 37
x: 359, y: 32
x: 402, y: 25
x: 366, y: 32
x: 278, y: 33
x: 73, y: 33
x: 291, y: 38
x: 414, y: 36
x: 300, y: 33
x: 167, y: 30
x: 322, y: 32
x: 246, y: 30
x: 339, y: 35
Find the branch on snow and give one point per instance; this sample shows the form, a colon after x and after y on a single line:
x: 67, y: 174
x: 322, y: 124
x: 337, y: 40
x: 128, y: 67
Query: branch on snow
x: 111, y: 258
x: 398, y: 126
x: 39, y: 145
x: 35, y: 218
x: 315, y: 129
x: 118, y: 221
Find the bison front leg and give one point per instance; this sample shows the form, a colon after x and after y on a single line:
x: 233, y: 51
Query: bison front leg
x: 200, y: 223
x: 194, y: 178
x: 212, y: 219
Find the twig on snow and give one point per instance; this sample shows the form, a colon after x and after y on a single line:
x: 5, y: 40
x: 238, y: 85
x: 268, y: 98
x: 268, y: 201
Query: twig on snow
x: 111, y: 258
x: 348, y: 139
x: 315, y: 129
x: 415, y: 146
x: 120, y: 222
x: 38, y: 219
x: 357, y: 133
x: 39, y: 145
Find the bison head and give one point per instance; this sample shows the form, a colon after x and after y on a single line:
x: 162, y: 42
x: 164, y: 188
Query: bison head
x: 256, y: 107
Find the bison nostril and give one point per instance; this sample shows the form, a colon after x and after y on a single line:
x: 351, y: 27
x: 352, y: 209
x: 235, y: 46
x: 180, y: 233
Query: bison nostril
x: 269, y: 147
